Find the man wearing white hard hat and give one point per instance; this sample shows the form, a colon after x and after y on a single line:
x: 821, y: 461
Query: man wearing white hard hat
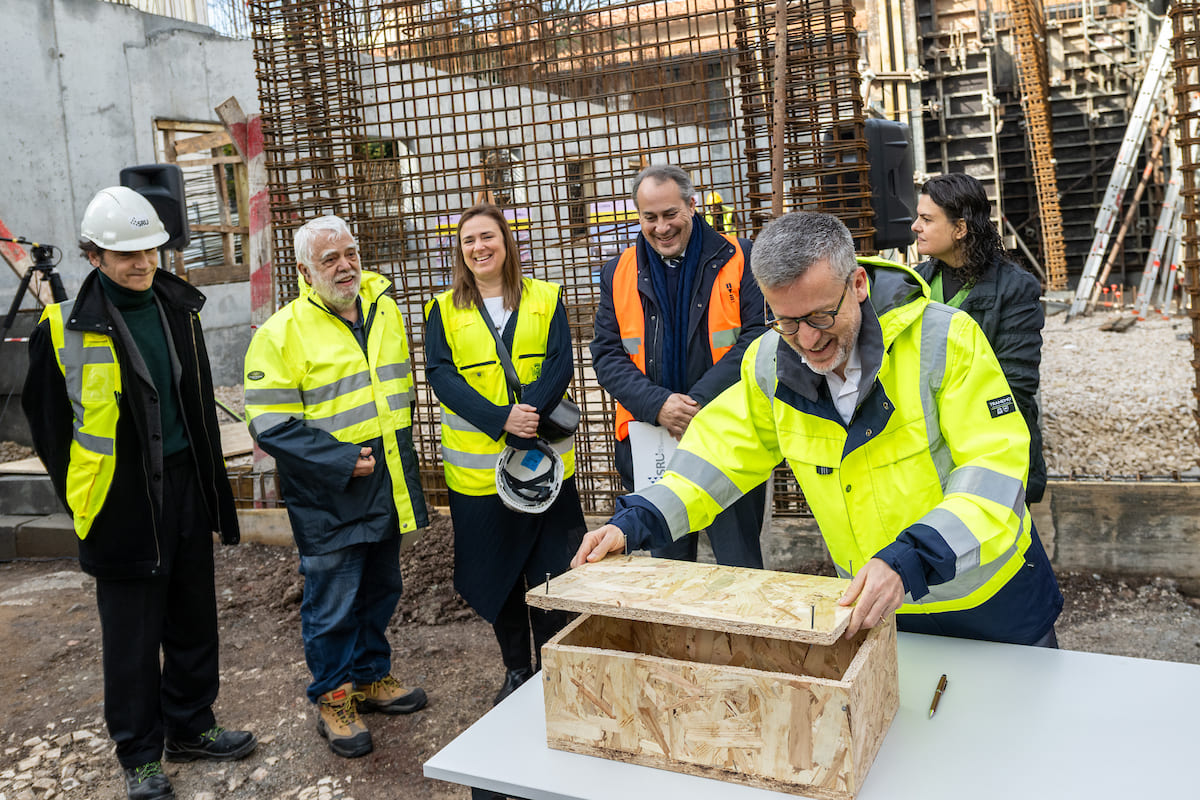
x: 119, y: 398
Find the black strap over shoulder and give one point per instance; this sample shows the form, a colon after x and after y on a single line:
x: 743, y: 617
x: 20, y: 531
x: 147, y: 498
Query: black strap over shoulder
x: 510, y: 372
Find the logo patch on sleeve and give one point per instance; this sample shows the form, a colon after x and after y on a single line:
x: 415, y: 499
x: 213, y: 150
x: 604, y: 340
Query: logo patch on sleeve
x: 1002, y: 405
x: 256, y: 375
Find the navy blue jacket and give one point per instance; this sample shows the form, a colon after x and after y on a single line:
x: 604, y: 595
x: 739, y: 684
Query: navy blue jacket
x: 1006, y: 303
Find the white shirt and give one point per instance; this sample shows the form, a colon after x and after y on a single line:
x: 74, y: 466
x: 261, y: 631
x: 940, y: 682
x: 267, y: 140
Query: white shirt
x: 497, y: 311
x: 845, y: 391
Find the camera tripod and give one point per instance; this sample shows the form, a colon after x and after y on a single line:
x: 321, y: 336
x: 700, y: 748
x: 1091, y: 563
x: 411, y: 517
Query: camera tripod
x: 43, y: 263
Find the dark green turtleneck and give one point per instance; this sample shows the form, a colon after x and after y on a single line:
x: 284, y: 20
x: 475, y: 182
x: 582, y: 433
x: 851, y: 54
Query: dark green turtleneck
x: 140, y: 313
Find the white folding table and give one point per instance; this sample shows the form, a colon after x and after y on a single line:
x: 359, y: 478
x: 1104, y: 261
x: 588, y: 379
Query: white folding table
x: 1014, y: 722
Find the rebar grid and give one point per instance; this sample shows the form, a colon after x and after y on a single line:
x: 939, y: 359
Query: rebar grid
x: 400, y: 115
x: 1029, y: 27
x: 1185, y: 45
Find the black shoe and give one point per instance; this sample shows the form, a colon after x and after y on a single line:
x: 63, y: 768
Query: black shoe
x: 148, y: 782
x: 215, y: 744
x: 512, y: 681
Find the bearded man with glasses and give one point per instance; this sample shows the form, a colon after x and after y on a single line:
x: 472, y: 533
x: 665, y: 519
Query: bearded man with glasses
x: 896, y: 419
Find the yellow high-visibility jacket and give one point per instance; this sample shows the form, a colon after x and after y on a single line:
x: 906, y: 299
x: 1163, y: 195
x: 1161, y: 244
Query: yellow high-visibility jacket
x: 93, y: 414
x: 314, y: 398
x: 929, y: 476
x: 88, y: 362
x: 469, y: 455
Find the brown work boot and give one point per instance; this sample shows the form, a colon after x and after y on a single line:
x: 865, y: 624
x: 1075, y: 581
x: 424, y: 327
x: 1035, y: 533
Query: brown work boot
x: 388, y: 696
x: 338, y: 721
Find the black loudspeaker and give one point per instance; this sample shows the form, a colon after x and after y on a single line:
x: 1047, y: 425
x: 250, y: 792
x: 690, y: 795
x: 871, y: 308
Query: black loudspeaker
x: 893, y: 195
x: 162, y: 185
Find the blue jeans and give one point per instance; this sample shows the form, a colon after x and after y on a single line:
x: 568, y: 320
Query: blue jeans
x: 349, y: 598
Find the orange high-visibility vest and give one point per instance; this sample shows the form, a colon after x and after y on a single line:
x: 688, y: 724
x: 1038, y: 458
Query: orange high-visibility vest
x: 724, y: 314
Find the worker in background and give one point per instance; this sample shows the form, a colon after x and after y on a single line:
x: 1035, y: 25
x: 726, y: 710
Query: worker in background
x: 968, y: 269
x: 119, y: 398
x: 677, y: 311
x: 717, y: 215
x: 329, y: 394
x: 901, y: 430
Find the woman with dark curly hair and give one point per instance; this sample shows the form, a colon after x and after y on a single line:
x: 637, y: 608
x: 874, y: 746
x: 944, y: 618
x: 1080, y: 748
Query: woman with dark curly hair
x: 967, y: 268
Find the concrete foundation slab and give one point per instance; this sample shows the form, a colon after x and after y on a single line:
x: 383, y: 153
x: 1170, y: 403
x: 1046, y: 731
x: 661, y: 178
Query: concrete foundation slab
x: 51, y: 536
x: 1141, y: 528
x: 9, y: 525
x: 28, y: 494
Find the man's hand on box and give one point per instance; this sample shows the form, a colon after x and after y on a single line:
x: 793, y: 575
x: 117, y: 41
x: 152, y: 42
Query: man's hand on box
x: 878, y: 590
x: 599, y: 543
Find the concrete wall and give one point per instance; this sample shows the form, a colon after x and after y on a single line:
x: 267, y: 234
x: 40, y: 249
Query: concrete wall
x: 84, y: 82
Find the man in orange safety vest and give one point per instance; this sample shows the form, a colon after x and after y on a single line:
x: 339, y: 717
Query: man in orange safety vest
x: 677, y: 310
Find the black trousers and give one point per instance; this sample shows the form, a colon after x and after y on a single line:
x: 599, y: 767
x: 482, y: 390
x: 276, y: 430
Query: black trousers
x: 174, y: 612
x: 512, y: 628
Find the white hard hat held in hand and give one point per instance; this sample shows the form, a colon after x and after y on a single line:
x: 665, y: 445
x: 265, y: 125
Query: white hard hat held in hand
x: 118, y: 218
x: 528, y: 481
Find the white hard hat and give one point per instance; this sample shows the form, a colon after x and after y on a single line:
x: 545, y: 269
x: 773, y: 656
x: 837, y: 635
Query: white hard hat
x: 529, y: 480
x: 118, y: 218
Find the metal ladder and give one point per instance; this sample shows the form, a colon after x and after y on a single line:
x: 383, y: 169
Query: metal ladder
x: 1135, y: 134
x: 1155, y: 261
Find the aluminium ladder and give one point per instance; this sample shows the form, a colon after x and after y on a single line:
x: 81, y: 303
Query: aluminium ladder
x: 1154, y: 259
x: 1135, y: 134
x: 1168, y: 276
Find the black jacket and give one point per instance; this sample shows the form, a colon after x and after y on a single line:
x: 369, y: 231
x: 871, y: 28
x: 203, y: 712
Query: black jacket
x: 644, y: 395
x: 126, y: 540
x: 1006, y: 304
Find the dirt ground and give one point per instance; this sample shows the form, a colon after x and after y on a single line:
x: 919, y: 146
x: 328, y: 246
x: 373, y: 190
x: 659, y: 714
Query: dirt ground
x: 53, y: 742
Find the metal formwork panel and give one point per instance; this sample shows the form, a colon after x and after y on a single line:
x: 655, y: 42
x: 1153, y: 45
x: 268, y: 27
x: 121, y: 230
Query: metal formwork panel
x: 400, y: 115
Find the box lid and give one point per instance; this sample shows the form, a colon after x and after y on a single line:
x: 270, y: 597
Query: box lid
x: 757, y: 602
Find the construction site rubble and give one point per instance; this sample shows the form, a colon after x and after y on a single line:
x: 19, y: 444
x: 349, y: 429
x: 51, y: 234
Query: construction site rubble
x: 1117, y: 404
x: 72, y: 764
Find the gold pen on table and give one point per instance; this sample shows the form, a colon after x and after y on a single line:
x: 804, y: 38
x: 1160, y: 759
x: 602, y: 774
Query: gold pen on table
x: 937, y: 695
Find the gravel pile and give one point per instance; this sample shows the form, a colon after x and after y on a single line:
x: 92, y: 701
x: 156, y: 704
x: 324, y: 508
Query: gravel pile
x: 11, y: 451
x: 78, y: 761
x: 1118, y: 404
x: 231, y: 396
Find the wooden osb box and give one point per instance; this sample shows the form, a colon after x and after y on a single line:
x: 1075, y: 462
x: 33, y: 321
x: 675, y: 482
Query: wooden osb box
x: 735, y: 674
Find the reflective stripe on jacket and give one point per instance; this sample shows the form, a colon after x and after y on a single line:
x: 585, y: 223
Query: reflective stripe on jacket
x: 468, y: 454
x: 304, y: 364
x: 930, y: 472
x: 724, y: 314
x: 88, y: 362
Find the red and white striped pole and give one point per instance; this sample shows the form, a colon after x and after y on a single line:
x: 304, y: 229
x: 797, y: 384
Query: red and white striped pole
x: 246, y: 133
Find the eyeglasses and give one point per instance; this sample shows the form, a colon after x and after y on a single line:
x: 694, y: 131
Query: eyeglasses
x: 818, y: 320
